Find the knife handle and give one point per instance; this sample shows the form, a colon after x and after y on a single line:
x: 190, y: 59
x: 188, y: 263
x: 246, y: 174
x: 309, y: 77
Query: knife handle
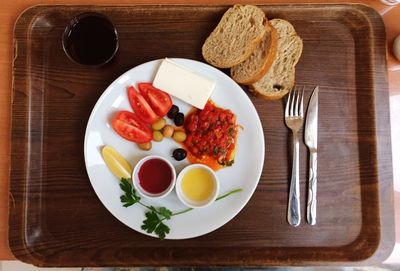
x: 312, y: 190
x: 293, y: 212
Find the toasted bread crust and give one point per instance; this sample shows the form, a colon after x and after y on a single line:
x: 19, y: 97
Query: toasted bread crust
x: 277, y: 96
x: 270, y: 58
x: 280, y: 78
x: 270, y: 53
x: 254, y: 45
x: 234, y: 56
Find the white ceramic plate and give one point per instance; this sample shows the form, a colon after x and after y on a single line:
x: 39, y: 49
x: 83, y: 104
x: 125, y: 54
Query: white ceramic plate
x: 245, y: 173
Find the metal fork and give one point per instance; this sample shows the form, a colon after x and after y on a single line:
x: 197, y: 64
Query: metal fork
x: 294, y: 119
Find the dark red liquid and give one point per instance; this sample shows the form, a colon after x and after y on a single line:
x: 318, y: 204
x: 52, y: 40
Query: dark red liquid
x: 155, y: 176
x: 91, y: 39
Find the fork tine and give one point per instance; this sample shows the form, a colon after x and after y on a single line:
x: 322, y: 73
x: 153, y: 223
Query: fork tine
x: 301, y: 105
x: 292, y: 101
x: 287, y: 105
x: 296, y: 113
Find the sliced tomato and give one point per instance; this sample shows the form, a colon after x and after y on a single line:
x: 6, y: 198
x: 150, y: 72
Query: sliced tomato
x: 159, y: 101
x: 131, y: 127
x: 141, y: 106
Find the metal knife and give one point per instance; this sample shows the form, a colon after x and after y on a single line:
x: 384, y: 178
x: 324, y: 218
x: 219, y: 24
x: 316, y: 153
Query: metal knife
x: 311, y: 140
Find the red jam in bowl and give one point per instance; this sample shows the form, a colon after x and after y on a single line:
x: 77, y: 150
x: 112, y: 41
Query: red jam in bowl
x: 155, y: 176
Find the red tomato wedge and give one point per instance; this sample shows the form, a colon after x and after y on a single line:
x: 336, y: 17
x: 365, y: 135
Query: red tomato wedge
x: 159, y: 101
x: 141, y: 106
x: 129, y: 126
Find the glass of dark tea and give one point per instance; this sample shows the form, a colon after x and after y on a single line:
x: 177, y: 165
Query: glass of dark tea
x: 90, y: 39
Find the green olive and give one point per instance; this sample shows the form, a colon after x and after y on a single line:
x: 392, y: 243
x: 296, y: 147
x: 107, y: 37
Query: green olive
x: 159, y: 124
x: 179, y: 136
x: 157, y: 136
x: 145, y: 146
x: 168, y: 131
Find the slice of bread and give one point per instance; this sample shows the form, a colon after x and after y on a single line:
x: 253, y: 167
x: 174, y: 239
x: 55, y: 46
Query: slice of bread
x: 280, y: 78
x: 235, y: 37
x: 252, y: 69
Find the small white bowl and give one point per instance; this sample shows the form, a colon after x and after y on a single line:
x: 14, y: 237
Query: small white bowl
x: 141, y: 190
x: 195, y: 204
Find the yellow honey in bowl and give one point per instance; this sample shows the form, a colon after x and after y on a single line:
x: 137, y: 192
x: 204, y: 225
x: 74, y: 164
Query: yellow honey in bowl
x: 198, y: 184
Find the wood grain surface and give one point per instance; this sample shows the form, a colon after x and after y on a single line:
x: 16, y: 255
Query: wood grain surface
x: 55, y: 215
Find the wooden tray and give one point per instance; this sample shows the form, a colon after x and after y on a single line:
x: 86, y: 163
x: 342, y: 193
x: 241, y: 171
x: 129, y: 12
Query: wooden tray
x: 56, y: 218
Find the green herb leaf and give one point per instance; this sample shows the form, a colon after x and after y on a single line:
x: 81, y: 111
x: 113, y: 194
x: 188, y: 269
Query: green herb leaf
x: 162, y: 230
x: 166, y: 213
x: 125, y: 185
x: 162, y: 211
x: 130, y: 197
x: 153, y: 223
x: 152, y: 208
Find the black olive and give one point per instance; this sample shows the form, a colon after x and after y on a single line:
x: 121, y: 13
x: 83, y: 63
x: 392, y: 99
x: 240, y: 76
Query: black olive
x: 179, y: 154
x: 173, y: 111
x: 179, y: 119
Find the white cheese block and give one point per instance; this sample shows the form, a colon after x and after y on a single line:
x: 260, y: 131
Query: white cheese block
x: 183, y: 83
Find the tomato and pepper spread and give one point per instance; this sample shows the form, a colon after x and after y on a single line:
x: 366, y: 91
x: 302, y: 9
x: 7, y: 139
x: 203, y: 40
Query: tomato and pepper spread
x: 211, y: 136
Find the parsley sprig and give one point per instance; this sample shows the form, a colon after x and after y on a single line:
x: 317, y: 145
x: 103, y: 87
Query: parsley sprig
x: 155, y: 216
x: 130, y: 197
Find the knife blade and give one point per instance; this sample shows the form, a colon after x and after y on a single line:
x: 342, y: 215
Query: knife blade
x: 311, y: 140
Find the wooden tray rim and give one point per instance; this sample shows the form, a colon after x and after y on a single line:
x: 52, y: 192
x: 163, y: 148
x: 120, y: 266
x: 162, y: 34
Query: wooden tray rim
x: 383, y: 145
